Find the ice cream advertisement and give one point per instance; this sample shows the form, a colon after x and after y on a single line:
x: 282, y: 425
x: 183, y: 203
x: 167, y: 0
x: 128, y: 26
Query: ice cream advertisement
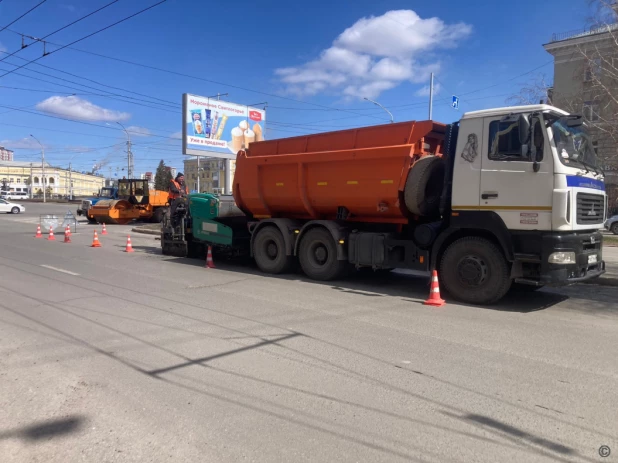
x: 219, y: 127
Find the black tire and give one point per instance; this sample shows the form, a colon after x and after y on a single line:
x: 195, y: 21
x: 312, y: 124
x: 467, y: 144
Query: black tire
x: 318, y: 256
x: 157, y: 215
x: 269, y: 251
x: 424, y: 186
x: 15, y: 210
x: 92, y: 220
x: 522, y: 288
x: 614, y: 228
x: 474, y: 270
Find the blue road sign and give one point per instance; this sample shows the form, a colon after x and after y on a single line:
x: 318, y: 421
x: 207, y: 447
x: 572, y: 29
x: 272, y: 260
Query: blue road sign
x: 455, y: 103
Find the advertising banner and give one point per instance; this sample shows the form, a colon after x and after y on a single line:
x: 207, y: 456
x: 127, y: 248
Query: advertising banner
x: 217, y: 128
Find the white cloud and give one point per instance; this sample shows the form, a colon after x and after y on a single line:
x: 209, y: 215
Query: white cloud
x: 23, y: 143
x: 176, y: 136
x: 74, y: 107
x: 71, y: 8
x: 3, y: 49
x: 425, y: 90
x: 375, y: 54
x: 139, y: 131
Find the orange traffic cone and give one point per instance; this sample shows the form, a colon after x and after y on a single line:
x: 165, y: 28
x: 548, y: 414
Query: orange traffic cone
x: 129, y: 247
x: 434, y: 292
x: 104, y: 231
x: 67, y: 234
x: 95, y: 241
x: 38, y: 232
x: 209, y: 262
x: 51, y: 236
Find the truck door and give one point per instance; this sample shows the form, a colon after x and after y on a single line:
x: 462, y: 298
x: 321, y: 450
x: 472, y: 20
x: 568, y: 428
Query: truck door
x: 509, y: 185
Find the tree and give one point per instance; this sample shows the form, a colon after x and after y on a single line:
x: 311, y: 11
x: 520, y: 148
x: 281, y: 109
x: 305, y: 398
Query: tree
x: 163, y: 176
x: 5, y: 185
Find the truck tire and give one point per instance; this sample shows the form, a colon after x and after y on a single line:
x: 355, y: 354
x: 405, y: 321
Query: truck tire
x: 475, y: 271
x: 269, y: 251
x: 318, y: 256
x: 92, y: 220
x: 424, y: 186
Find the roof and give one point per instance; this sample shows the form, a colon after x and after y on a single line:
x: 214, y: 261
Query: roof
x: 513, y: 109
x: 22, y: 164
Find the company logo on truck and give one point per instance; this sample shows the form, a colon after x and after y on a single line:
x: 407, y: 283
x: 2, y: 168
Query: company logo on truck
x: 255, y: 116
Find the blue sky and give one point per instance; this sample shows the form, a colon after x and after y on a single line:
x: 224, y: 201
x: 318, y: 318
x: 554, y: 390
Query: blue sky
x: 312, y: 62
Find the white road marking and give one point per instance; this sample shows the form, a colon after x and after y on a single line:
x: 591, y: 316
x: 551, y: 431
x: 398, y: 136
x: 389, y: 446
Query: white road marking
x: 60, y: 270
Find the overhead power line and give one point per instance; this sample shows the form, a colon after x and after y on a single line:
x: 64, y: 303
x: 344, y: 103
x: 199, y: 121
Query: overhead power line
x: 86, y: 36
x: 27, y: 12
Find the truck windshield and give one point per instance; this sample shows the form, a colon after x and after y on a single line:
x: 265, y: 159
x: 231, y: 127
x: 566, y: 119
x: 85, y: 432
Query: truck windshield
x: 107, y: 192
x: 574, y: 144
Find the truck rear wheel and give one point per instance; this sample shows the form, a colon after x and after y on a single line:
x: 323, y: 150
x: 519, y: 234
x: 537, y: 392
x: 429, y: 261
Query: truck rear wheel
x: 157, y: 215
x: 318, y: 256
x: 473, y: 270
x: 424, y: 186
x: 269, y: 251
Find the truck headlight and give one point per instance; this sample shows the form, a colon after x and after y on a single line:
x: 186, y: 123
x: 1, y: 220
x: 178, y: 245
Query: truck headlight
x: 562, y: 258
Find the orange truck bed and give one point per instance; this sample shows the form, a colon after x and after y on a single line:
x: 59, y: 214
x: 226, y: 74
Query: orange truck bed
x: 312, y: 176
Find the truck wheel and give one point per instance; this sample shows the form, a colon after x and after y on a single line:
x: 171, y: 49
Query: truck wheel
x: 318, y: 256
x: 614, y: 228
x: 92, y: 220
x: 269, y: 251
x: 424, y: 186
x: 473, y: 270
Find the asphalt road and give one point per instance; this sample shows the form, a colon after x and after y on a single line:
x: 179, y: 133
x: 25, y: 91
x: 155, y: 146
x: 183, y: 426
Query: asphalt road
x: 108, y: 356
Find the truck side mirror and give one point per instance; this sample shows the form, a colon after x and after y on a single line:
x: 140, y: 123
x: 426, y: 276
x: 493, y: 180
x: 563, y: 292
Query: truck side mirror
x: 524, y: 130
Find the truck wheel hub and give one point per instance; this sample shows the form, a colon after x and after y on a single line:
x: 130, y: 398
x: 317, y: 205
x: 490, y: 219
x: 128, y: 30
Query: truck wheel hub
x: 271, y: 250
x: 472, y: 270
x: 321, y: 254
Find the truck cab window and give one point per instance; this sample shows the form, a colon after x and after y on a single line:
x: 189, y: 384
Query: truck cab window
x: 504, y: 142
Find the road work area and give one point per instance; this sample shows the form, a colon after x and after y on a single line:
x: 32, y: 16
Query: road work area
x: 114, y: 356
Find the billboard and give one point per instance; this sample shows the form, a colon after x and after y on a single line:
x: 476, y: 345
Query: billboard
x: 219, y: 129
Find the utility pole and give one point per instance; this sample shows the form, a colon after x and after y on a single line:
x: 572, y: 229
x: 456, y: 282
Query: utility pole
x: 431, y: 97
x: 42, y: 167
x: 30, y: 186
x: 129, y: 153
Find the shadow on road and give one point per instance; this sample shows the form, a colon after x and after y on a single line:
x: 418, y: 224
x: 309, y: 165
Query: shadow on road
x: 46, y: 429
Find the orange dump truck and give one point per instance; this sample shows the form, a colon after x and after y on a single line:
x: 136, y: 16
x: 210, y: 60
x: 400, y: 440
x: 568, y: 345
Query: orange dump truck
x: 485, y: 201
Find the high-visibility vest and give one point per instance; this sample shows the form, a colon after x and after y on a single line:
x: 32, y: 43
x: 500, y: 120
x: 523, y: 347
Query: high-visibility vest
x: 173, y: 194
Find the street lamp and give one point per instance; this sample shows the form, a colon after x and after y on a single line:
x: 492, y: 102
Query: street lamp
x: 378, y: 104
x: 71, y: 176
x: 129, y: 153
x: 42, y: 167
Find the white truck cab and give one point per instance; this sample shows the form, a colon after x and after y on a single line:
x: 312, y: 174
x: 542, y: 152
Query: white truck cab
x: 530, y: 175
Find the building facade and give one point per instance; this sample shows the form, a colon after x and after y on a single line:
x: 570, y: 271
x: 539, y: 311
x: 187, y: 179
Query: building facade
x: 586, y: 83
x: 211, y: 175
x: 5, y: 154
x: 28, y: 177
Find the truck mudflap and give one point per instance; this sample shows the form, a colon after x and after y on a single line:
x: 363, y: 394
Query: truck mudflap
x: 588, y: 262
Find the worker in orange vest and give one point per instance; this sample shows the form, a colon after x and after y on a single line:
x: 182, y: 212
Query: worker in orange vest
x: 177, y: 192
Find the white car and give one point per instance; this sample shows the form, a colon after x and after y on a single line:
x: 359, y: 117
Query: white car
x: 13, y: 208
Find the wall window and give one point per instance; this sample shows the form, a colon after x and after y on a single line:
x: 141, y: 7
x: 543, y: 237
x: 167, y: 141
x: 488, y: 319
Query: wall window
x: 36, y: 180
x: 593, y: 69
x: 52, y: 181
x: 18, y: 180
x: 595, y: 146
x: 11, y: 180
x: 591, y: 111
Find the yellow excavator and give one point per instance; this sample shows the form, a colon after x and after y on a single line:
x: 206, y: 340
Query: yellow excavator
x: 135, y: 202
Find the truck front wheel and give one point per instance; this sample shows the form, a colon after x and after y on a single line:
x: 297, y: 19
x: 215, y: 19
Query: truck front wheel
x: 473, y: 270
x: 269, y: 251
x: 318, y: 256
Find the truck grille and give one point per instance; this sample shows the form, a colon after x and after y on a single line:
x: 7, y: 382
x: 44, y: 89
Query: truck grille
x: 590, y: 209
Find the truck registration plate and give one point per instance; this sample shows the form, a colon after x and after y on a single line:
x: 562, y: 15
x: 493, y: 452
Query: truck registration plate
x: 592, y: 259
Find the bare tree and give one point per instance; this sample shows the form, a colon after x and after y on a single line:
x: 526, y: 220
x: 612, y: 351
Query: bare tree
x: 535, y: 91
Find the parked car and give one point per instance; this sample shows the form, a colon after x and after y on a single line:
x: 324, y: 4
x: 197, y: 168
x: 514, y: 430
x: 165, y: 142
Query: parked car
x: 8, y: 207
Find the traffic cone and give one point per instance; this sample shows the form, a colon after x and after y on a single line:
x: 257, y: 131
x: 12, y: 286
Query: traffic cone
x: 67, y: 234
x: 51, y: 236
x: 209, y: 261
x: 104, y: 231
x: 129, y: 247
x: 95, y: 241
x: 434, y: 292
x: 38, y: 232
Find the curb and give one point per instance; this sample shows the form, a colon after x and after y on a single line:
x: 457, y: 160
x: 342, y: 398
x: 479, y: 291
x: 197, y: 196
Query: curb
x: 146, y: 231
